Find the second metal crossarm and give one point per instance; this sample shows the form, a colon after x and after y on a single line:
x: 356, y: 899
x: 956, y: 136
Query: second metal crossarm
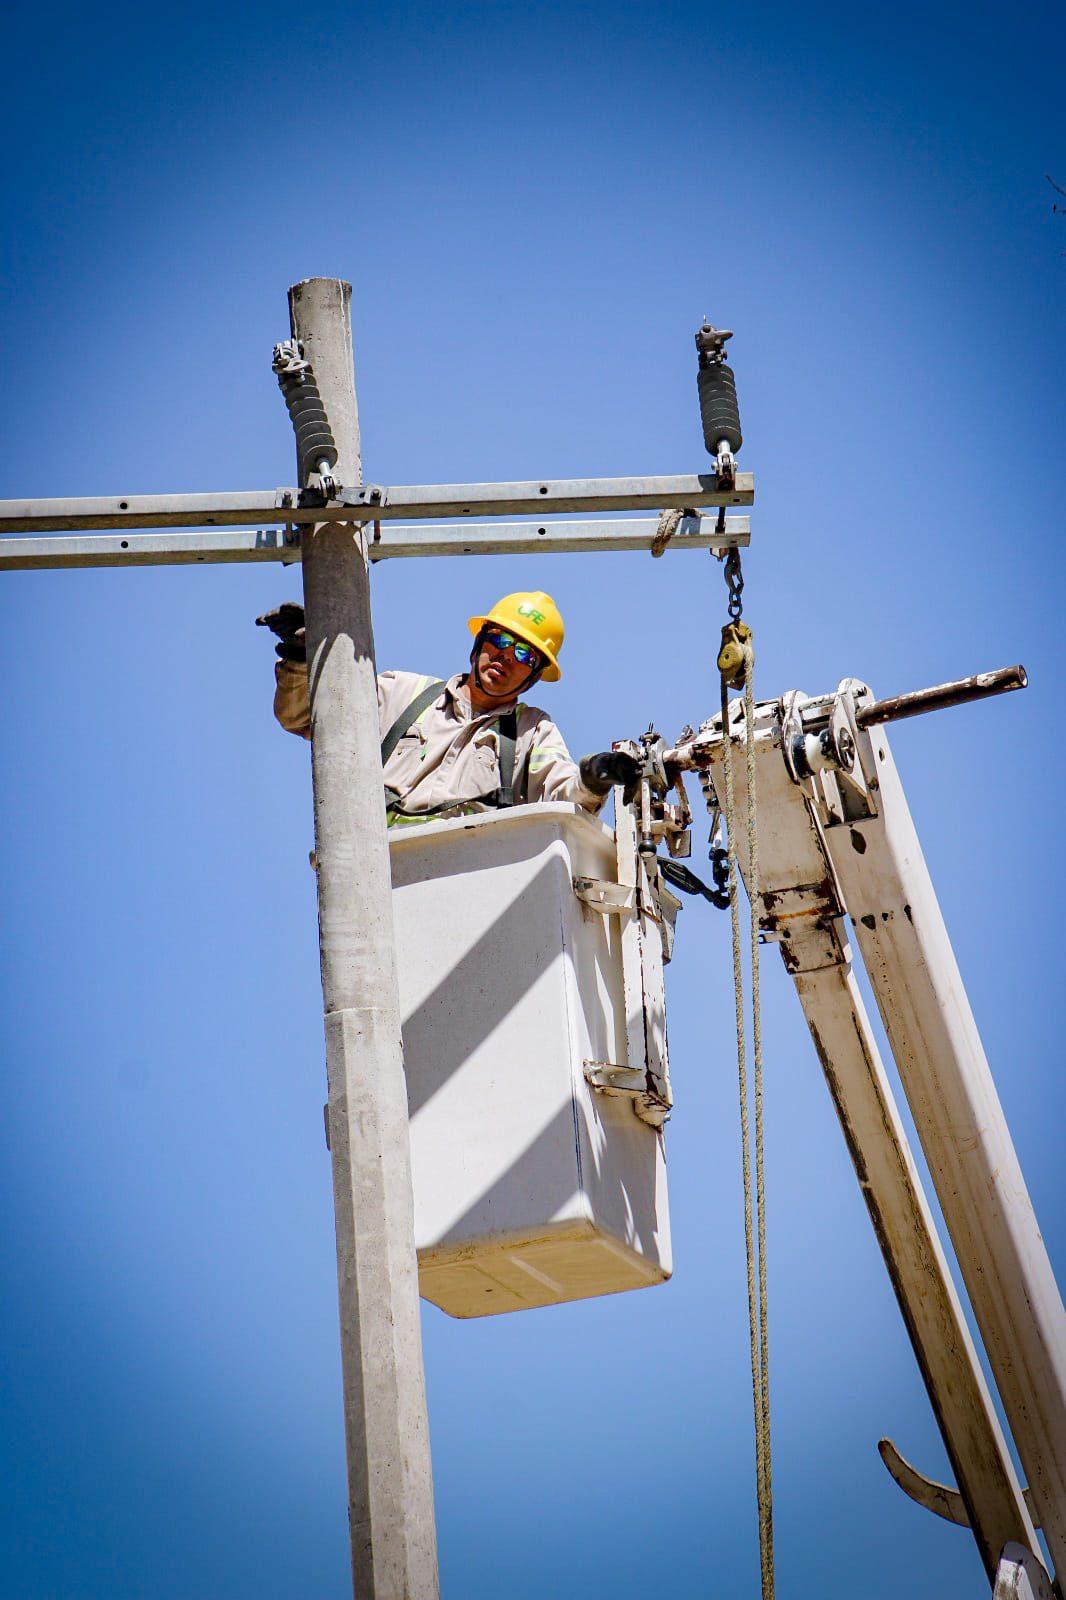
x: 397, y: 540
x: 378, y: 504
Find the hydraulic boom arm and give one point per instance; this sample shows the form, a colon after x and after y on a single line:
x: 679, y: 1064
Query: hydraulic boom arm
x: 836, y: 836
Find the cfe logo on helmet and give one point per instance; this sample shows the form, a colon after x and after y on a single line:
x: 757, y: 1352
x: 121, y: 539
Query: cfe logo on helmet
x: 532, y: 616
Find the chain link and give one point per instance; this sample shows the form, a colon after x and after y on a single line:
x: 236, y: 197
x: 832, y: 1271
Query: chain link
x: 734, y: 579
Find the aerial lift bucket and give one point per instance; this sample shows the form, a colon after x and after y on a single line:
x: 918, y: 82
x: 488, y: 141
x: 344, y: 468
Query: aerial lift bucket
x: 535, y: 1051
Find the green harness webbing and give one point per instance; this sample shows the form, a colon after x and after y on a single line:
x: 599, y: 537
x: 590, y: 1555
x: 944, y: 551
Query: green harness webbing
x: 408, y: 717
x: 507, y: 734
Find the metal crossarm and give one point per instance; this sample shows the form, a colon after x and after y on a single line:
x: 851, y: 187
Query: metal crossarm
x: 374, y: 503
x: 398, y: 540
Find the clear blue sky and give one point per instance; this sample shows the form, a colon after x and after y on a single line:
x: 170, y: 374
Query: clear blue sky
x: 536, y: 207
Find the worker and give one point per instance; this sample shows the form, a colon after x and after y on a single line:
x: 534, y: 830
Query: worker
x: 468, y: 744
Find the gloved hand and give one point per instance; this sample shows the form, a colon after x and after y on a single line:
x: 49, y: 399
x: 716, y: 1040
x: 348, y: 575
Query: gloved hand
x: 599, y: 773
x: 287, y: 621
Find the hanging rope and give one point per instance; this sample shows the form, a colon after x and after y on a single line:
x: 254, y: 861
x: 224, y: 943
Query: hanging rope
x: 736, y: 663
x: 766, y: 1511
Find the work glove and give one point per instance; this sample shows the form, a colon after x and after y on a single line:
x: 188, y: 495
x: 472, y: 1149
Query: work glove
x: 287, y: 621
x: 601, y: 772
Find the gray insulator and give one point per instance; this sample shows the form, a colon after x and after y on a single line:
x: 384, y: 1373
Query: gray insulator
x: 718, y: 406
x: 314, y: 436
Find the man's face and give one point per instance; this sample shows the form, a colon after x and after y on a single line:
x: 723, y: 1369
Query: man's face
x: 500, y: 673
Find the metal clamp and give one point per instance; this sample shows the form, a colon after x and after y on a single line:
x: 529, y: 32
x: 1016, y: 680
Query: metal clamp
x: 605, y: 897
x: 726, y: 467
x: 611, y: 1078
x: 367, y: 494
x: 329, y: 492
x: 608, y: 1078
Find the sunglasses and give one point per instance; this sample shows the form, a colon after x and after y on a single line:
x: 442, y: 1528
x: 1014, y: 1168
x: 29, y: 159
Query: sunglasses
x: 524, y: 653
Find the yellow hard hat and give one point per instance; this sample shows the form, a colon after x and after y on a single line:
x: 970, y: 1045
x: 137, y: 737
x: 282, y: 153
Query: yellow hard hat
x: 533, y: 616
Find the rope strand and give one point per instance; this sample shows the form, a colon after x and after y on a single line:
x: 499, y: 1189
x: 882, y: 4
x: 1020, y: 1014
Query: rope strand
x: 754, y: 1227
x: 766, y: 1501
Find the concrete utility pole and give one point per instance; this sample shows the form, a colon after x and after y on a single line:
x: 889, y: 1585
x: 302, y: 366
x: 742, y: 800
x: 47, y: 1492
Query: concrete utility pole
x: 390, y: 1482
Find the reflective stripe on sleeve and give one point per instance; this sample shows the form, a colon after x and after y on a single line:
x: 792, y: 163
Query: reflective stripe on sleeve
x: 542, y: 755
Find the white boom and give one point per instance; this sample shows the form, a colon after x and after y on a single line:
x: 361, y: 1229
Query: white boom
x: 836, y: 837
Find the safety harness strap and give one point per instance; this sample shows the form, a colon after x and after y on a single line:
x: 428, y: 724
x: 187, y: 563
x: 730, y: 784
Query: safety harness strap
x: 408, y: 716
x: 507, y: 734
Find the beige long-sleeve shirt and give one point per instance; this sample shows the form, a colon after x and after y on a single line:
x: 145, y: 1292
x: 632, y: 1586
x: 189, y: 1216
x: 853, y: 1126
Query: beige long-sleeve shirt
x: 449, y: 757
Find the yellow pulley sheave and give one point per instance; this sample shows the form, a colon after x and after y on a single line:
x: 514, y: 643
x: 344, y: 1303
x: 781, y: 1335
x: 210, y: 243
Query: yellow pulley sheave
x: 734, y: 654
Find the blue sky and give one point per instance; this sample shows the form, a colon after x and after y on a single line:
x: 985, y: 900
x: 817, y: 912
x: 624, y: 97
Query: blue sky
x: 535, y: 207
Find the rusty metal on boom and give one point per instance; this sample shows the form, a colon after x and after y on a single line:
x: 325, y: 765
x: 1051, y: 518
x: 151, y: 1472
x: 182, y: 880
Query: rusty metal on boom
x: 694, y: 752
x: 979, y: 687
